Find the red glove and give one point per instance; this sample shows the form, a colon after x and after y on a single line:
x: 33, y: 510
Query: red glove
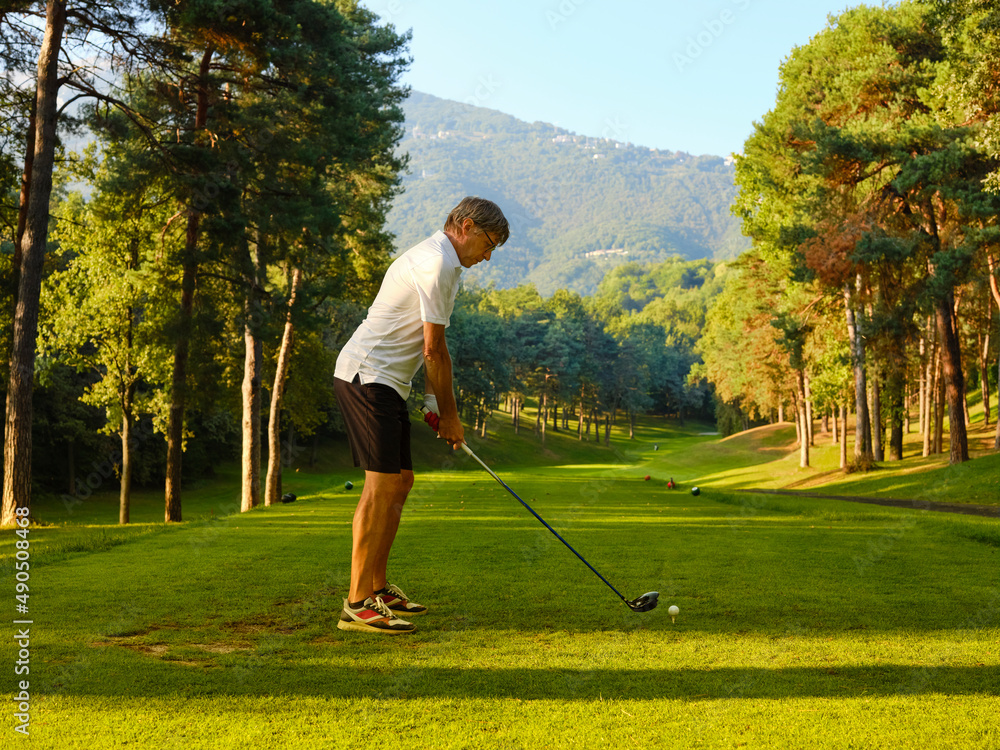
x: 432, y: 419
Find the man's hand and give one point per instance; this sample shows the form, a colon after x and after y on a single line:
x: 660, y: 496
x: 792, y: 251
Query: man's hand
x: 449, y: 429
x: 437, y: 370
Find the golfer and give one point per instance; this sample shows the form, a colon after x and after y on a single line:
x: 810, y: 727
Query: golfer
x: 404, y: 329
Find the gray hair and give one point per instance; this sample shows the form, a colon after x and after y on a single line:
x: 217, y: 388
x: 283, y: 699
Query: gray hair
x: 485, y: 214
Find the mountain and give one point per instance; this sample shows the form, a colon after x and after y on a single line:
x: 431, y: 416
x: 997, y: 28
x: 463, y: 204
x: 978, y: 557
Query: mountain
x: 577, y: 205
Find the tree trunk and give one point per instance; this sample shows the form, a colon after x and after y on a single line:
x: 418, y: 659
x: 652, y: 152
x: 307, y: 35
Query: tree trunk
x: 543, y: 413
x: 937, y: 422
x: 579, y: 423
x: 124, y: 496
x: 128, y: 389
x: 834, y: 424
x: 895, y: 392
x: 178, y: 385
x: 930, y: 391
x: 843, y: 436
x: 922, y: 396
x: 798, y: 422
x: 272, y: 490
x: 907, y: 403
x: 25, y: 197
x: 607, y: 429
x: 250, y: 490
x: 876, y: 416
x: 951, y: 360
x: 809, y: 418
x: 862, y: 427
x: 995, y: 289
x: 17, y: 430
x: 984, y: 369
x: 803, y: 412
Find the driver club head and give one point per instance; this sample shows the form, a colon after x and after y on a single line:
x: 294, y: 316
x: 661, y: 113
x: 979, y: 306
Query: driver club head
x: 645, y: 602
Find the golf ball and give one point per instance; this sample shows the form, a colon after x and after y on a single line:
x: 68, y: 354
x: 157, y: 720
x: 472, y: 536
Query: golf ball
x: 348, y: 485
x: 673, y: 611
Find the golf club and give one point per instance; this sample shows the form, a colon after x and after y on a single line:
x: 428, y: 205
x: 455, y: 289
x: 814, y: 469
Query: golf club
x: 643, y: 603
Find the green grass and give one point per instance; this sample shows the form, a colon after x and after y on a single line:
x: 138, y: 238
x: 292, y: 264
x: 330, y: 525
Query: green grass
x: 768, y: 458
x: 803, y: 622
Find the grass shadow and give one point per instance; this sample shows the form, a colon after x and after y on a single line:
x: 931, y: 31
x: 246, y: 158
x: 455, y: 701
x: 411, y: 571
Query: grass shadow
x: 249, y: 674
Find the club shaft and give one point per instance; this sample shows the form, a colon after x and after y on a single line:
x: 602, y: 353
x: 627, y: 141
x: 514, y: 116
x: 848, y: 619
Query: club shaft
x: 468, y: 450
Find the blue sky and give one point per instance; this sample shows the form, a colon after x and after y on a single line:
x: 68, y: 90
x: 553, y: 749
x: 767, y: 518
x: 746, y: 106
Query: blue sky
x: 685, y: 76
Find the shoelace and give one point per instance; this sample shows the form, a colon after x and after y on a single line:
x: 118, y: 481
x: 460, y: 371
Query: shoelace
x: 396, y: 591
x: 382, y: 608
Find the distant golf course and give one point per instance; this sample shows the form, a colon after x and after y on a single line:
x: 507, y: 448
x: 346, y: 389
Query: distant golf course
x: 803, y: 622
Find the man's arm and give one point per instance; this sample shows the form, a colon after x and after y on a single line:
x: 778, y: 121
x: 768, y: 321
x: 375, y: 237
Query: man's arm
x: 437, y: 373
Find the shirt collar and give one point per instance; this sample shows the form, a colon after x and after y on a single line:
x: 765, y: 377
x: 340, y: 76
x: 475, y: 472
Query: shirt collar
x: 450, y: 251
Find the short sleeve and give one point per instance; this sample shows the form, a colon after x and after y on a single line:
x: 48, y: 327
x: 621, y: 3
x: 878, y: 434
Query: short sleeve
x: 435, y: 282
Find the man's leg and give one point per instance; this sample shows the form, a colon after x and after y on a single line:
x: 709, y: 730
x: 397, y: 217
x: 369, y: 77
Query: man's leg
x: 392, y: 525
x: 376, y: 520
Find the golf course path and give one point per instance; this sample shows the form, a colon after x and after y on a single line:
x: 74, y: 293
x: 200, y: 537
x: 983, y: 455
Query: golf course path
x: 966, y: 508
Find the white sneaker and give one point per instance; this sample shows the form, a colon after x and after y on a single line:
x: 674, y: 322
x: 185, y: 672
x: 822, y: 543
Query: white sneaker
x: 373, y: 617
x: 399, y: 603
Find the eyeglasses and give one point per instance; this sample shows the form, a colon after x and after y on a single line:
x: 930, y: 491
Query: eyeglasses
x: 493, y: 245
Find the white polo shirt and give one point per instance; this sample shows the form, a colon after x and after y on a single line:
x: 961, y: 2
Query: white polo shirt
x: 420, y: 286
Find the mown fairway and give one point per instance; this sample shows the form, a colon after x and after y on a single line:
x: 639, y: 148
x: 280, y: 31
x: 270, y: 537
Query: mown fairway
x: 803, y: 623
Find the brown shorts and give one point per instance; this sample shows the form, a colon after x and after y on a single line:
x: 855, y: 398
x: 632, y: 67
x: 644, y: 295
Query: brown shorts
x: 378, y: 425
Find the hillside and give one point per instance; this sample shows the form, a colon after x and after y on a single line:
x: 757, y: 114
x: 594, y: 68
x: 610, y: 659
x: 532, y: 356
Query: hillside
x: 577, y: 205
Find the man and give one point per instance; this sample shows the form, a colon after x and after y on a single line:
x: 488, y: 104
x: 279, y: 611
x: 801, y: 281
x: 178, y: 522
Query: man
x: 404, y: 329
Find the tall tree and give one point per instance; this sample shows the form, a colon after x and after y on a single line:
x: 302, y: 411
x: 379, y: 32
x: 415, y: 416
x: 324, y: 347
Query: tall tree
x: 267, y: 102
x: 98, y: 309
x: 859, y: 148
x: 80, y: 41
x: 741, y: 353
x: 17, y: 432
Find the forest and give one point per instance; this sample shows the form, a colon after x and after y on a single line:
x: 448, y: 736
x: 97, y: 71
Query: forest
x: 175, y: 294
x: 870, y: 194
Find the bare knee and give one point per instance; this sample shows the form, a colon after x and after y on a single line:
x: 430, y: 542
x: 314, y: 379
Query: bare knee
x: 387, y: 490
x: 406, y: 482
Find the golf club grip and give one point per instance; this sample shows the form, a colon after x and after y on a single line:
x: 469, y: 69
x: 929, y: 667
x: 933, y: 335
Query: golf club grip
x: 465, y: 447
